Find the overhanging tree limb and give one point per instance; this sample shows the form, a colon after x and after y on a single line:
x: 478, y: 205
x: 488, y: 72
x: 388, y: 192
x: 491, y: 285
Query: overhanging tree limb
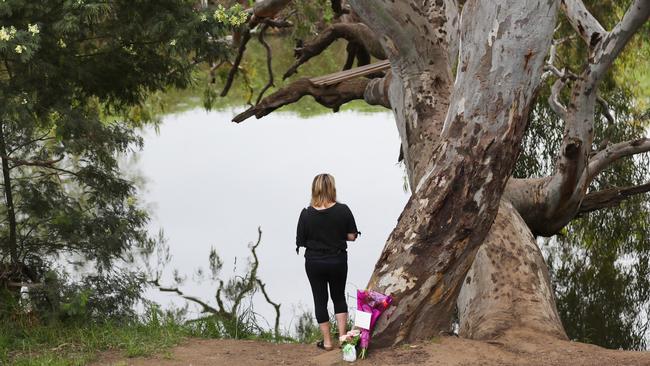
x: 612, y: 153
x: 610, y: 197
x: 331, y: 96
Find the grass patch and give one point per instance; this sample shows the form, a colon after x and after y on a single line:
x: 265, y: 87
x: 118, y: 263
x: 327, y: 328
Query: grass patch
x: 78, y: 344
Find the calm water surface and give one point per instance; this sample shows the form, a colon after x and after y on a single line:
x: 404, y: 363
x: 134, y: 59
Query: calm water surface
x: 210, y: 182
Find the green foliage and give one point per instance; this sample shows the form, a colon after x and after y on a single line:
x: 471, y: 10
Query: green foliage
x: 310, y: 16
x: 599, y: 265
x: 73, y: 79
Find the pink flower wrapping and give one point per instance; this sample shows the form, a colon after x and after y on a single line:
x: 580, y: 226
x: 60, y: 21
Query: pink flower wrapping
x: 374, y: 303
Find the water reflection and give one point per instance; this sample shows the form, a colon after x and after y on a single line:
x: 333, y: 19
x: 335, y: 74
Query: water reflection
x: 212, y: 182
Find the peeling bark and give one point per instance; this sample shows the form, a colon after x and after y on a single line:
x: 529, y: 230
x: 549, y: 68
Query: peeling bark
x: 508, y: 285
x: 421, y: 45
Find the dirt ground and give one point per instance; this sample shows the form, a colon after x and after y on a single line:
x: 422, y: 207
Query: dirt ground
x: 517, y: 348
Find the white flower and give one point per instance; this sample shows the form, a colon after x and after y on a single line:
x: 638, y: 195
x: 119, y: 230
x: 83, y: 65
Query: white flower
x: 220, y: 14
x: 62, y: 44
x: 33, y: 28
x: 172, y: 42
x: 204, y: 18
x: 24, y: 101
x: 19, y: 49
x: 4, y: 34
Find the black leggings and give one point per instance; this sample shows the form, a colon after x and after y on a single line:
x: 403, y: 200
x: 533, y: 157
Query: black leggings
x: 321, y: 272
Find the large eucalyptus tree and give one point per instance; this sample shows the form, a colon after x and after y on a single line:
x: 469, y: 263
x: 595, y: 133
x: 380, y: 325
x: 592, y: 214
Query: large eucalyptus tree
x: 462, y: 82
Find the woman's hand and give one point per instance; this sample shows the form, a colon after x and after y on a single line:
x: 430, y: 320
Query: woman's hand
x: 352, y: 237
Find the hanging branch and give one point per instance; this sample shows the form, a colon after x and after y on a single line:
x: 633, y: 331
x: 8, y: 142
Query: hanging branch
x: 331, y: 96
x: 268, y: 63
x: 262, y: 12
x: 357, y: 33
x: 246, y: 36
x: 277, y: 23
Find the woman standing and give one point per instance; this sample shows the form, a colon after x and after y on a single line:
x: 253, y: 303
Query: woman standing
x: 324, y: 229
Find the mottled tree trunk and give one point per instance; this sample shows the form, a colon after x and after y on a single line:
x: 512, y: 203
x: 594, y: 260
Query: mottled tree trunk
x: 508, y: 285
x: 460, y: 162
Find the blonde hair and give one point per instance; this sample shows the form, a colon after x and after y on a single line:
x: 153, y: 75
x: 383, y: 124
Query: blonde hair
x: 323, y: 190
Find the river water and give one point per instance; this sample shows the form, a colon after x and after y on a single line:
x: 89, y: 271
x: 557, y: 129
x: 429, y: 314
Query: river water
x: 210, y: 182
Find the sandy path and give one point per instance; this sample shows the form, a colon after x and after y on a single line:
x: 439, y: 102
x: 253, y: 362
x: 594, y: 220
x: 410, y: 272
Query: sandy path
x: 442, y: 351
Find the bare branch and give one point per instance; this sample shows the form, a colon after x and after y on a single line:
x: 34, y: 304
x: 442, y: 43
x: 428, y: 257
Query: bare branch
x: 610, y: 197
x: 246, y: 36
x: 612, y: 153
x: 357, y: 33
x: 206, y: 308
x: 263, y: 12
x: 583, y: 22
x: 331, y: 96
x: 554, y: 99
x: 612, y: 45
x: 268, y: 62
x: 269, y: 8
x: 39, y: 163
x: 574, y: 170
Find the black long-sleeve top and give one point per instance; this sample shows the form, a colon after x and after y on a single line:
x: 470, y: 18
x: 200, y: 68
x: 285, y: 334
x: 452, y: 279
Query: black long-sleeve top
x: 324, y: 232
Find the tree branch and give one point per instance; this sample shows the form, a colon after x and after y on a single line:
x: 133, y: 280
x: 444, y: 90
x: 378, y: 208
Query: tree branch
x: 612, y: 45
x: 268, y: 8
x: 331, y: 96
x: 610, y: 197
x: 583, y: 22
x: 263, y: 12
x: 206, y: 308
x: 246, y: 36
x: 39, y: 163
x: 268, y: 63
x: 357, y: 33
x: 612, y: 153
x: 574, y: 170
x: 554, y: 99
x: 377, y: 91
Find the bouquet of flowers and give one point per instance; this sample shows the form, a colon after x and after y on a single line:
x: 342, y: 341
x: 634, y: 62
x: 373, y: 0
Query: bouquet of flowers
x: 349, y: 343
x: 374, y: 303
